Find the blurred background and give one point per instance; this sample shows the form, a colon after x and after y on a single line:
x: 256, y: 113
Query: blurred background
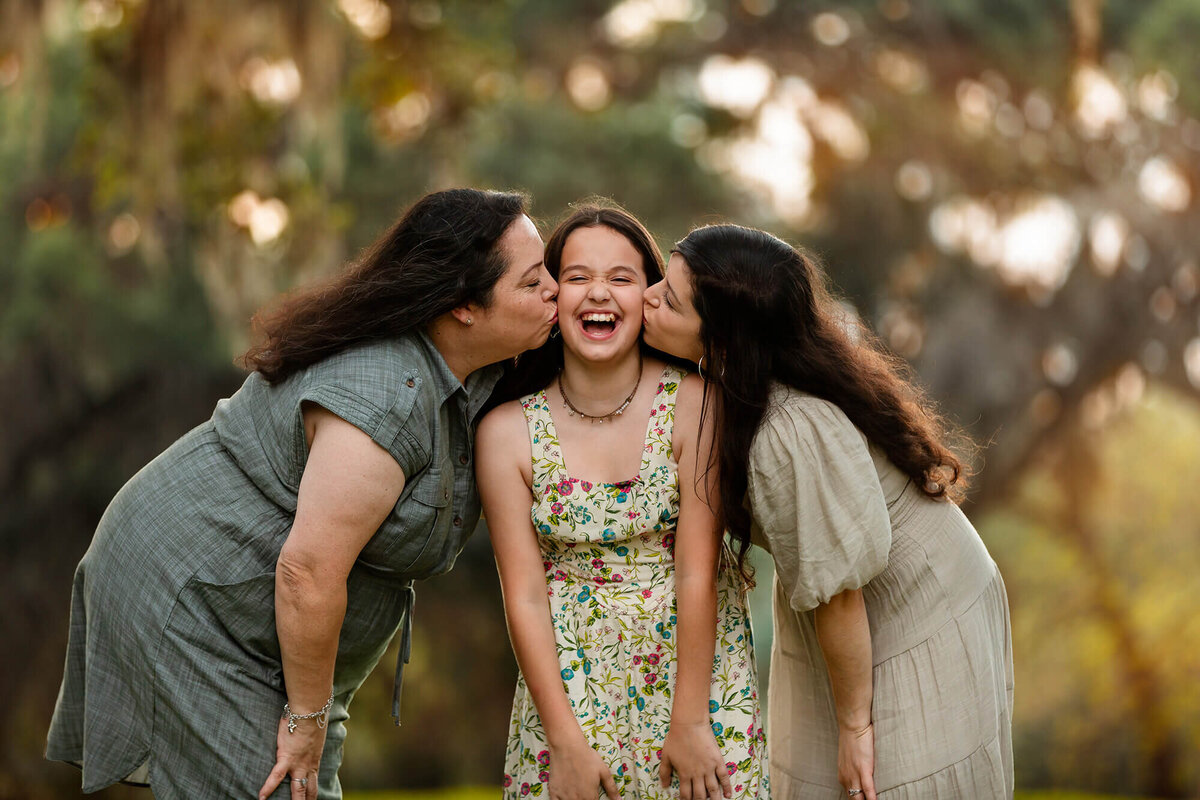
x: 1004, y: 189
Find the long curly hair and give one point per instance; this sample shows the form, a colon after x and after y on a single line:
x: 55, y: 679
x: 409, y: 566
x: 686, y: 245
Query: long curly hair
x: 439, y: 255
x: 767, y: 316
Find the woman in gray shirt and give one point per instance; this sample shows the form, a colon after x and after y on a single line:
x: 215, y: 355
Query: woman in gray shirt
x: 242, y: 585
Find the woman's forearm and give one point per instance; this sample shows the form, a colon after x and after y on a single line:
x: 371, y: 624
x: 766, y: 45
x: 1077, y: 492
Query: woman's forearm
x: 844, y: 634
x: 532, y: 633
x: 696, y: 612
x: 308, y: 620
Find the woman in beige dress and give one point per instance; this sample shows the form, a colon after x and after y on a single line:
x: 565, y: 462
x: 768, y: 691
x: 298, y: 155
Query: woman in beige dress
x: 891, y: 672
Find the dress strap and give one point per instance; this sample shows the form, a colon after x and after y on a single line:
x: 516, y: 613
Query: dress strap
x: 548, y: 463
x: 660, y: 428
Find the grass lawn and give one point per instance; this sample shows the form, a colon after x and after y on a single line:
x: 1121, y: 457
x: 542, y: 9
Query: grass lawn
x: 491, y: 793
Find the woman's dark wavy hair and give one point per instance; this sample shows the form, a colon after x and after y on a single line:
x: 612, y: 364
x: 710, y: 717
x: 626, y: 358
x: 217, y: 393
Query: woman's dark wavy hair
x: 440, y: 255
x: 767, y: 315
x: 535, y: 369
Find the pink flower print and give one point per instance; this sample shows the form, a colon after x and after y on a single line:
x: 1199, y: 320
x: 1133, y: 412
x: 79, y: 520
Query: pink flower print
x: 600, y: 581
x: 585, y: 485
x: 560, y: 575
x: 524, y: 789
x: 646, y: 593
x: 637, y: 660
x: 543, y: 776
x: 546, y: 565
x: 508, y: 780
x: 543, y: 758
x: 651, y: 677
x: 662, y: 406
x: 652, y: 658
x: 730, y: 767
x: 617, y: 578
x: 564, y: 487
x: 556, y: 508
x: 597, y: 563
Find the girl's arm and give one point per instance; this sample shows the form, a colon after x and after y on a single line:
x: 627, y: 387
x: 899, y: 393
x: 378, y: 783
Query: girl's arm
x: 348, y: 488
x: 844, y: 634
x: 502, y: 456
x: 691, y: 748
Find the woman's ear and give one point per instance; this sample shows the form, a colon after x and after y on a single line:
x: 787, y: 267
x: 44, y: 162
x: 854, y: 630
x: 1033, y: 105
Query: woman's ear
x: 465, y: 314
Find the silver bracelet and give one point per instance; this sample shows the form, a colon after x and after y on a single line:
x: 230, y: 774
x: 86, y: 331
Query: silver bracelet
x: 322, y: 716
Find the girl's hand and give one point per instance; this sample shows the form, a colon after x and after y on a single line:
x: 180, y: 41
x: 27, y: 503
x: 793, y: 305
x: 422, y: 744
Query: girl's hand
x: 692, y: 751
x: 856, y: 761
x: 577, y: 772
x: 297, y: 757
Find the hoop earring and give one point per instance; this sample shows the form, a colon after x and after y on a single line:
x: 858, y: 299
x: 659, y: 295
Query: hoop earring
x: 700, y: 369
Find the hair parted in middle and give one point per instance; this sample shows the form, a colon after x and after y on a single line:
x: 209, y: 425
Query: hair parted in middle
x: 535, y: 369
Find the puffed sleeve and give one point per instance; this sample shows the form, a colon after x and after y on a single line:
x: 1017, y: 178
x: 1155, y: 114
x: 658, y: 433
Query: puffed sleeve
x: 814, y: 492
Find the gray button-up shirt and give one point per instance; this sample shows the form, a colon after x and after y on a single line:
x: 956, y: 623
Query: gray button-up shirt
x: 172, y: 623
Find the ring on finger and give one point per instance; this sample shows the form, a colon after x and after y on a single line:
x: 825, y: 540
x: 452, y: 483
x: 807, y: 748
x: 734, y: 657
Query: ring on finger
x: 302, y: 781
x: 853, y: 792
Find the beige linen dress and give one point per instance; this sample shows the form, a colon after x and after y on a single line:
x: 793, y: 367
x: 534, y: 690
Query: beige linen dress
x: 837, y: 515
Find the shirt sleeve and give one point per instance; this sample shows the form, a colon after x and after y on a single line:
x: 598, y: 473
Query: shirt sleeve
x: 387, y: 416
x: 814, y: 492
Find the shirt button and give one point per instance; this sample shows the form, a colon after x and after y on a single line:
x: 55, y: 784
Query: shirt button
x: 445, y: 494
x: 409, y: 383
x: 463, y: 459
x: 458, y: 522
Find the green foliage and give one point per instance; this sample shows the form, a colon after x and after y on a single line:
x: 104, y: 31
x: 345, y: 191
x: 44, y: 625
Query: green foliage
x: 1103, y: 619
x: 1163, y: 34
x: 562, y: 155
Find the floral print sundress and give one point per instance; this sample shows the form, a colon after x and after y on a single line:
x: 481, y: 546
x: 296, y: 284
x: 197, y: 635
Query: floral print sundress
x: 608, y: 551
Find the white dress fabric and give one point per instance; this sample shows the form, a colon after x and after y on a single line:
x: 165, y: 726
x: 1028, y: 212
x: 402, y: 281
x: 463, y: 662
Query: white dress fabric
x: 836, y: 514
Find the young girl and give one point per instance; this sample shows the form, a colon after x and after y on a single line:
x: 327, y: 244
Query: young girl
x: 640, y: 664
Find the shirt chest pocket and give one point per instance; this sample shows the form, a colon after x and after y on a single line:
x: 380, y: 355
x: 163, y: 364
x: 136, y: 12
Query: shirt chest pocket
x: 415, y: 531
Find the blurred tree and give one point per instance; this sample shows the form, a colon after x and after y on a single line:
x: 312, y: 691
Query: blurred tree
x: 1002, y: 190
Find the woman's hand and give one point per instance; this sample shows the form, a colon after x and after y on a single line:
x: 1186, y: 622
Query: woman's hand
x: 856, y: 761
x: 297, y: 758
x: 692, y: 751
x: 577, y: 772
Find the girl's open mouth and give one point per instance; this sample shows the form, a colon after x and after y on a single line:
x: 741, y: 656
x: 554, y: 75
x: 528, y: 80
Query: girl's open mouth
x: 599, y: 324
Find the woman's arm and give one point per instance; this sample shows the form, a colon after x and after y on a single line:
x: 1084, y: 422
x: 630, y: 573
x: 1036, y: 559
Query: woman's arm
x: 691, y: 748
x: 349, y: 486
x: 502, y: 448
x: 844, y: 634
